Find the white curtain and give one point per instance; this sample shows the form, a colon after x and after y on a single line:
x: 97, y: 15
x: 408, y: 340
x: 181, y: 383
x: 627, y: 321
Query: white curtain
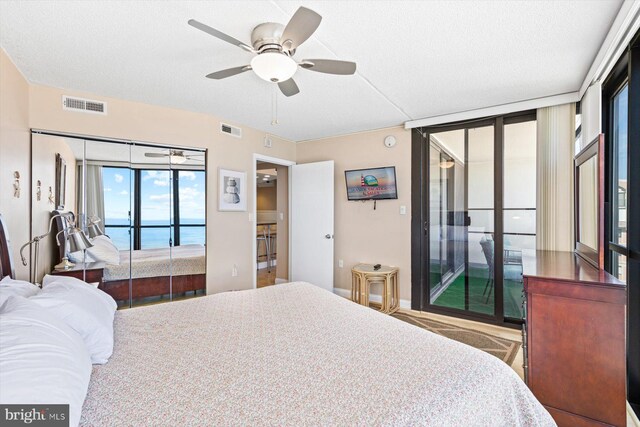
x: 554, y: 199
x: 94, y: 191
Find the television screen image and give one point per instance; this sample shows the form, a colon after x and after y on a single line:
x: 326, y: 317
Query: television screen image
x: 371, y: 184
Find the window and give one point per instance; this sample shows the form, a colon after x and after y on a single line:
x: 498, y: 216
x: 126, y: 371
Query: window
x: 620, y: 108
x: 171, y: 206
x: 117, y: 205
x: 191, y: 206
x: 155, y: 208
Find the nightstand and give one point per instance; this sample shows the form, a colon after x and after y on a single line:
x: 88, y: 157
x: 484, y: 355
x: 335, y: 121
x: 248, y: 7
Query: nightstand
x: 90, y: 272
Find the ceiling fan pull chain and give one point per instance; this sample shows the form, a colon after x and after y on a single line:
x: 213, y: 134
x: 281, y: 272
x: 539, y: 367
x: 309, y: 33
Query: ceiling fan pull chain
x: 274, y: 106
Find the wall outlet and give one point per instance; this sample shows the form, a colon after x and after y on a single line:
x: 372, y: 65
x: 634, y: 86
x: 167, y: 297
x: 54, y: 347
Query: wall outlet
x: 341, y: 263
x: 234, y: 271
x: 403, y: 210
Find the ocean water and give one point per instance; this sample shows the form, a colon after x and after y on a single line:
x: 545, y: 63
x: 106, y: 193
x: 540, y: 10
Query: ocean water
x: 154, y: 237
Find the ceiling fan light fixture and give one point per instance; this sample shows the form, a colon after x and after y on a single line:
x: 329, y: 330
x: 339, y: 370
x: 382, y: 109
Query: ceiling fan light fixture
x: 177, y: 159
x: 446, y: 164
x: 274, y: 66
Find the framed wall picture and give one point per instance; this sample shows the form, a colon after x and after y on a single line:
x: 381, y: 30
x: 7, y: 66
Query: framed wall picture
x: 232, y: 190
x: 61, y: 181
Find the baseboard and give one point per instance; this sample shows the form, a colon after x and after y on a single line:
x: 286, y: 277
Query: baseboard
x: 263, y: 264
x: 346, y: 293
x: 278, y: 281
x: 632, y: 418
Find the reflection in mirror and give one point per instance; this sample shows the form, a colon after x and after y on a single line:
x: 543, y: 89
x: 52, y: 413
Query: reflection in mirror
x: 588, y: 203
x: 139, y: 208
x: 45, y: 150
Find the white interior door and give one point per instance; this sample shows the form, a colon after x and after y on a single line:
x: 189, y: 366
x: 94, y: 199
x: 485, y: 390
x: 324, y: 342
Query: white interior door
x: 312, y: 223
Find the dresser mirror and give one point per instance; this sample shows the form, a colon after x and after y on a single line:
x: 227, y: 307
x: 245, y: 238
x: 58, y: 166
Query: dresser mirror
x: 589, y: 202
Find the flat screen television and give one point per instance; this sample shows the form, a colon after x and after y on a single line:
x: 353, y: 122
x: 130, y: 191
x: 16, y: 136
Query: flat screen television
x: 371, y: 184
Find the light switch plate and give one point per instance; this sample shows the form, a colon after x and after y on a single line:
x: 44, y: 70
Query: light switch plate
x: 403, y: 210
x: 341, y: 263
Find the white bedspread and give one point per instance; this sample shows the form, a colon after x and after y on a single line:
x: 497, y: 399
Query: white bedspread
x: 295, y: 354
x: 185, y: 259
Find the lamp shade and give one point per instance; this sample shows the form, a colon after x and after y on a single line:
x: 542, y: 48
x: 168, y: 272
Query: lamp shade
x: 274, y: 66
x: 78, y: 241
x: 94, y: 230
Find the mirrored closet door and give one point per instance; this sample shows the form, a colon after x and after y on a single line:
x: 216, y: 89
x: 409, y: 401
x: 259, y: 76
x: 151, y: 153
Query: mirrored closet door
x: 127, y: 217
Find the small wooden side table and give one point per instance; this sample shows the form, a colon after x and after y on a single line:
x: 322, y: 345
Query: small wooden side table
x: 90, y: 272
x: 363, y: 275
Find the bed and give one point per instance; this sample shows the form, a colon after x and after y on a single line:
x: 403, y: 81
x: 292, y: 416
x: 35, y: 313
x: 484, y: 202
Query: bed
x: 295, y: 354
x: 153, y: 272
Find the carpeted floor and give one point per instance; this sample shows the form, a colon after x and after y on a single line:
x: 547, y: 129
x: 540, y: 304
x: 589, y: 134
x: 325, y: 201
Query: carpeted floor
x: 504, y: 349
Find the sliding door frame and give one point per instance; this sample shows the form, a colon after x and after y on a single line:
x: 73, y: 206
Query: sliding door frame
x: 420, y: 196
x: 626, y: 72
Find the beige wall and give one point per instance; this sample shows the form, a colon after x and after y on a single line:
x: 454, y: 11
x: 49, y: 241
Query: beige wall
x: 266, y: 197
x: 361, y: 233
x: 43, y: 168
x: 228, y: 233
x: 14, y: 156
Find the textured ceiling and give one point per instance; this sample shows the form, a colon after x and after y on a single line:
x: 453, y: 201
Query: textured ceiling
x: 415, y: 59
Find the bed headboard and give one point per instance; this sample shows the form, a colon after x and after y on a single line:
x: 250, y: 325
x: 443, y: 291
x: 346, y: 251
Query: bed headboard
x: 6, y: 259
x: 62, y: 223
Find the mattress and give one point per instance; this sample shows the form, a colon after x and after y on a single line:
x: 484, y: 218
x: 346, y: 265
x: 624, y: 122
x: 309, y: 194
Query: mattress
x: 185, y: 260
x: 295, y: 354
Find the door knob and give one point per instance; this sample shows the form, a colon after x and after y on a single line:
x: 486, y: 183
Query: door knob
x: 328, y: 236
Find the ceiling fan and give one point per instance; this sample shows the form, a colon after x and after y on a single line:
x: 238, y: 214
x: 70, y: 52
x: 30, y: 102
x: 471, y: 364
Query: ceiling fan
x: 177, y: 156
x: 274, y: 46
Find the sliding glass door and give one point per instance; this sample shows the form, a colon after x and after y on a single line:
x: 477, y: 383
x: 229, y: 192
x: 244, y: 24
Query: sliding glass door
x: 476, y: 204
x: 461, y: 220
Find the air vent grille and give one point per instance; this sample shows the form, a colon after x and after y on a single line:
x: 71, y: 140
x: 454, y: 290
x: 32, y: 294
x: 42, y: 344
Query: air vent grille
x: 231, y: 130
x: 83, y: 105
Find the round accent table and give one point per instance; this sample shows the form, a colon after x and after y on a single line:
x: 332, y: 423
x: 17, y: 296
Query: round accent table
x: 363, y: 275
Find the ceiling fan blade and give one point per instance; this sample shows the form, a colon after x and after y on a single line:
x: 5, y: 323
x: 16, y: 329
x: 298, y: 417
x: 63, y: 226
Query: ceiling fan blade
x: 329, y: 66
x: 302, y: 24
x: 155, y: 155
x: 219, y: 34
x: 288, y: 87
x: 223, y: 74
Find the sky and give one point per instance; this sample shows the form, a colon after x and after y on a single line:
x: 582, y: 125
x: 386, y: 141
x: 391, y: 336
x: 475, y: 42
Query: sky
x: 156, y: 194
x: 622, y: 106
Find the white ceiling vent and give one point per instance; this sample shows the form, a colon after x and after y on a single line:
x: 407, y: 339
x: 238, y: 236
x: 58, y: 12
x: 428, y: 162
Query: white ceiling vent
x: 230, y: 130
x: 84, y: 105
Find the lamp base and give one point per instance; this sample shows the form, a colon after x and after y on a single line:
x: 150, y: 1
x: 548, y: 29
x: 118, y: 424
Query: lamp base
x: 65, y: 264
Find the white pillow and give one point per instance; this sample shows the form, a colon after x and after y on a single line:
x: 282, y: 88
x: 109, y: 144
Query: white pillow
x: 106, y: 299
x: 85, y: 310
x: 9, y: 287
x: 104, y: 250
x: 42, y: 360
x: 80, y: 256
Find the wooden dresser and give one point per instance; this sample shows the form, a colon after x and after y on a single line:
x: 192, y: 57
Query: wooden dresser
x: 575, y: 361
